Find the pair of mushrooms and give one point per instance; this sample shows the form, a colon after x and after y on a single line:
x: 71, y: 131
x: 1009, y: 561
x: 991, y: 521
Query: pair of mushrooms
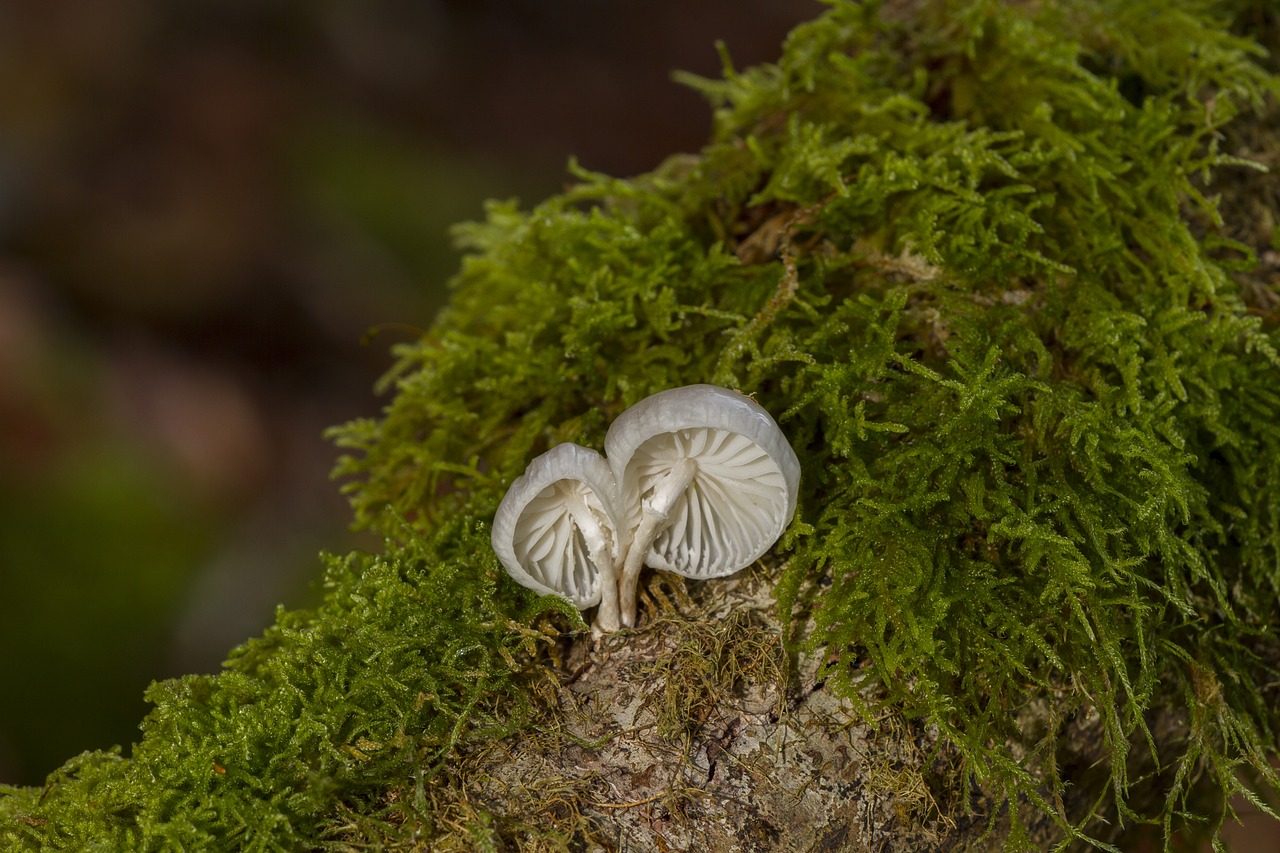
x: 699, y: 481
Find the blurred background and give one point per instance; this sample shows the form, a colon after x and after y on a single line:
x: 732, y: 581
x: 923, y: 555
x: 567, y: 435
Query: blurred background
x: 204, y: 208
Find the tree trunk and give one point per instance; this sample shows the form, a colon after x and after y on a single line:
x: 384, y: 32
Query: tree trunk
x: 696, y: 731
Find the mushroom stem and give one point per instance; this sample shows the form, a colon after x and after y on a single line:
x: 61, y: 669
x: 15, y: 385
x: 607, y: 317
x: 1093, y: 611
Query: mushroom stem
x: 598, y: 547
x: 657, y: 507
x: 607, y: 614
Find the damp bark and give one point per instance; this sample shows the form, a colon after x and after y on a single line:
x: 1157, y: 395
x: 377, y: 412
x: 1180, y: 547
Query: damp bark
x: 699, y: 731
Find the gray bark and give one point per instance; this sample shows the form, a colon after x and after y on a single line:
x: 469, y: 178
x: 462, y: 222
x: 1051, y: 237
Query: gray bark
x: 695, y: 732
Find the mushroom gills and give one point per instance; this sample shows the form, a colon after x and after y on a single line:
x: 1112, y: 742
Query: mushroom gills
x: 700, y: 535
x: 558, y: 530
x: 563, y: 540
x: 711, y: 500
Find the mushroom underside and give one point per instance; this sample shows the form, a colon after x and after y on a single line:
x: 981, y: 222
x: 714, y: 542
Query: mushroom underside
x: 710, y: 501
x: 730, y: 511
x: 563, y: 540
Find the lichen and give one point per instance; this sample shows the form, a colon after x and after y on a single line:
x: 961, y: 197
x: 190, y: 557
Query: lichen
x: 970, y: 254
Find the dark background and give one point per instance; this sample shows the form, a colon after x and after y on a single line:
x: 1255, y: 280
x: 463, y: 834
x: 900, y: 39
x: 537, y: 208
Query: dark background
x: 204, y: 208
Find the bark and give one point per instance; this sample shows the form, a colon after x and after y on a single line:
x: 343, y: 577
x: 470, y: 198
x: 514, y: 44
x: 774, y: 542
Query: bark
x: 695, y: 732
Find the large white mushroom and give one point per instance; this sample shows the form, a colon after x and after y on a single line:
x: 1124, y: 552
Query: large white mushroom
x: 708, y: 482
x: 557, y: 530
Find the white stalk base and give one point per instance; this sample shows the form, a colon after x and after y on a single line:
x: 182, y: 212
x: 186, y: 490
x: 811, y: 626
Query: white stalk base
x: 657, y: 508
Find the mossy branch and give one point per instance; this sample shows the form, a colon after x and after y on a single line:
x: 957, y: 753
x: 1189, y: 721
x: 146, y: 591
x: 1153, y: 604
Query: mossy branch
x: 969, y: 253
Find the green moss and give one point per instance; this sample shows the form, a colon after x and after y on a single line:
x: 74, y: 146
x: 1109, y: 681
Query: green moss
x: 970, y: 254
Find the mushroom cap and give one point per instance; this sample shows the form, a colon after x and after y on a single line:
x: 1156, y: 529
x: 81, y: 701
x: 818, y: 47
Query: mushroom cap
x: 743, y: 494
x: 536, y: 535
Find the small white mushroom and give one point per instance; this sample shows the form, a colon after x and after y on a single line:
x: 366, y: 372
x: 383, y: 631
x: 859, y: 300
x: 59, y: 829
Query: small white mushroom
x: 557, y: 530
x: 708, y: 481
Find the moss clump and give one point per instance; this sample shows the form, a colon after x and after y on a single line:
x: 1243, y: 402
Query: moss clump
x: 969, y: 253
x: 410, y: 653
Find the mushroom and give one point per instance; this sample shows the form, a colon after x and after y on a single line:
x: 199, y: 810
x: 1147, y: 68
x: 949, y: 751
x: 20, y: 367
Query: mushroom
x: 557, y: 530
x: 708, y: 481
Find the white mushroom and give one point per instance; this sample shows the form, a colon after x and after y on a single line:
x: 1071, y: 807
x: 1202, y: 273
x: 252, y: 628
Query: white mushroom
x: 708, y: 482
x: 556, y: 530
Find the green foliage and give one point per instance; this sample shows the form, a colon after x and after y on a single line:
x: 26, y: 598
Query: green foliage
x: 969, y: 255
